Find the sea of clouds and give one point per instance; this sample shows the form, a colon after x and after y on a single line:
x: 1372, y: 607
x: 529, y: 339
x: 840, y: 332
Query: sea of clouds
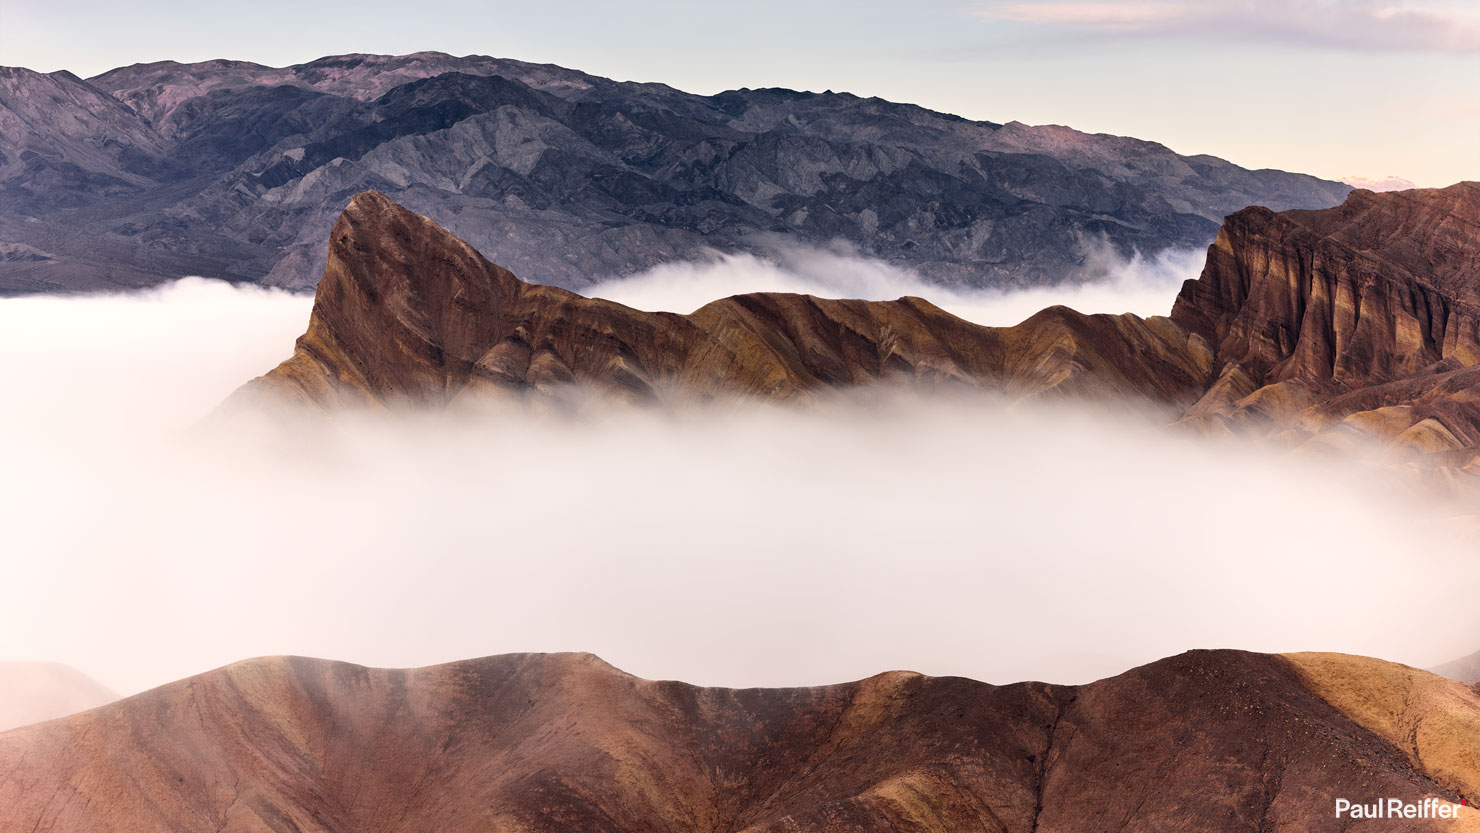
x: 745, y: 546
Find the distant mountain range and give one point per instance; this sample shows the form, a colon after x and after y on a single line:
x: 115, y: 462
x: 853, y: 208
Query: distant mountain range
x: 230, y: 169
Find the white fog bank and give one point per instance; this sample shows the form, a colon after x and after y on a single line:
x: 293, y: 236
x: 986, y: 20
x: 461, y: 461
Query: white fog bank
x: 1144, y: 285
x: 749, y: 547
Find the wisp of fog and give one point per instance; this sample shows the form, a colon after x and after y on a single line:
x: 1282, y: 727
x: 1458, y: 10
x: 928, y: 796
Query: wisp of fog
x: 1106, y: 283
x: 748, y: 546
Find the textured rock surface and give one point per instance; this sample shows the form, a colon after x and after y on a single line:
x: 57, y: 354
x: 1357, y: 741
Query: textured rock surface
x: 1435, y: 721
x: 1356, y: 321
x: 229, y: 169
x: 1380, y: 288
x: 34, y: 691
x: 407, y: 312
x: 1320, y: 329
x: 1207, y: 741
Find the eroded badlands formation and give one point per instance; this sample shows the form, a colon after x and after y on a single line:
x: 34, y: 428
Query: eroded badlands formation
x: 1314, y: 327
x: 1208, y: 741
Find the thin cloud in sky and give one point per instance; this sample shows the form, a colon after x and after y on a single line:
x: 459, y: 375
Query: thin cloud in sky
x: 1359, y: 25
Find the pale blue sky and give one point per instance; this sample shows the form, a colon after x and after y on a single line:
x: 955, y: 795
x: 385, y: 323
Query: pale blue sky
x: 1338, y: 88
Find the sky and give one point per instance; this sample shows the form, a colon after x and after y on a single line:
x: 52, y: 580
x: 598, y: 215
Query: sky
x: 1385, y: 92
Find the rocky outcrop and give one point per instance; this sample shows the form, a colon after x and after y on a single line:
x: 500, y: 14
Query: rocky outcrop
x: 1213, y: 741
x: 1320, y: 329
x: 1362, y: 319
x: 568, y: 178
x: 1380, y: 288
x: 407, y: 313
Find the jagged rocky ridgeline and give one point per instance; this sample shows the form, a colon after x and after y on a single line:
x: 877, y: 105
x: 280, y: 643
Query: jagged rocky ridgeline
x: 232, y: 170
x: 1209, y: 741
x: 1356, y: 321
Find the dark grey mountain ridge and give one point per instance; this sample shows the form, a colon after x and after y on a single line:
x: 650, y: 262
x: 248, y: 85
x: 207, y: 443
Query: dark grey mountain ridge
x: 235, y: 170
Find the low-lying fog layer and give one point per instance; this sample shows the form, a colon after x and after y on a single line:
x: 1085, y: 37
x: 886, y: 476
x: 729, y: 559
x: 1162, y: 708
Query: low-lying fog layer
x: 753, y: 547
x: 1107, y: 283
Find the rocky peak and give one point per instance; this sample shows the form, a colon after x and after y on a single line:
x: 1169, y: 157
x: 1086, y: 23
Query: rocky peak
x: 401, y: 296
x: 405, y: 311
x: 1377, y: 288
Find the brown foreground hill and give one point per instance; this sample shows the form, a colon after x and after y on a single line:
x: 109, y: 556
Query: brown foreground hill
x: 1312, y: 327
x: 1207, y: 741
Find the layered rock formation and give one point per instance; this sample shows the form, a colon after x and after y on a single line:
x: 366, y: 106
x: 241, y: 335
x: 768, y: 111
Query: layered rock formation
x: 232, y: 170
x: 406, y: 312
x: 1356, y: 324
x: 1209, y: 741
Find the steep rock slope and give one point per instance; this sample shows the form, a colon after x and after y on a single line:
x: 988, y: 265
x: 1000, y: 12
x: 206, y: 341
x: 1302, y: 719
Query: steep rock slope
x: 567, y: 177
x: 1358, y: 320
x: 1380, y: 288
x: 1207, y: 741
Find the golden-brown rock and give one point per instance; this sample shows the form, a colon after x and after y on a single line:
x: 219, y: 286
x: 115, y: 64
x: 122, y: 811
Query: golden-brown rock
x: 1354, y: 323
x: 407, y: 312
x: 1209, y: 741
x: 1327, y: 329
x: 1378, y: 288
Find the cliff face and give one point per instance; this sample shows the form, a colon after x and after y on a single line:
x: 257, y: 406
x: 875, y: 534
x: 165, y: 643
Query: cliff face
x: 1358, y: 320
x: 1208, y: 741
x: 406, y: 312
x: 1379, y: 288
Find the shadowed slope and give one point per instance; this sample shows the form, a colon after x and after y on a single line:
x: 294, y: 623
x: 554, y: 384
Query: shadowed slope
x: 1208, y: 741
